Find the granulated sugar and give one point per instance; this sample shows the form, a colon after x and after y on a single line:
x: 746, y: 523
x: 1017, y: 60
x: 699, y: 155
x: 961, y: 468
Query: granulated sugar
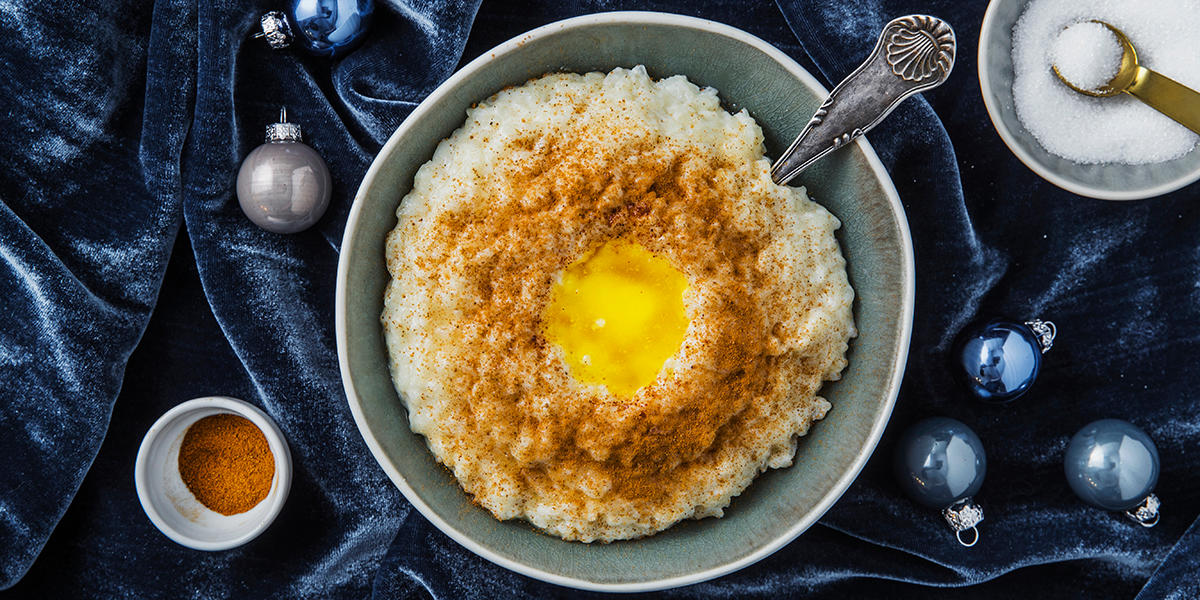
x: 1119, y: 129
x: 1087, y: 54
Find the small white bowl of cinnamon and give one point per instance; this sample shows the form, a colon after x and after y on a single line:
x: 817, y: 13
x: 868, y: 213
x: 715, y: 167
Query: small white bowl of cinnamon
x: 213, y: 473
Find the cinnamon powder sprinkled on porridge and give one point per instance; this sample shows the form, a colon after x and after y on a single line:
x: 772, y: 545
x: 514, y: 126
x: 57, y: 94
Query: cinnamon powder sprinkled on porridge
x: 544, y: 174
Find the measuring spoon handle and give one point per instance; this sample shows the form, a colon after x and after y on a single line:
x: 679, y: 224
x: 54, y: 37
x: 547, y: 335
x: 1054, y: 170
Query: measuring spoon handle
x: 1167, y: 96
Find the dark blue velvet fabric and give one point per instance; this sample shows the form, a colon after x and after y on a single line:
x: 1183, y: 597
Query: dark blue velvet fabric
x: 132, y: 282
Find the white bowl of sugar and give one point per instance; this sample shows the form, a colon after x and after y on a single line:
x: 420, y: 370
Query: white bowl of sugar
x: 1108, y: 148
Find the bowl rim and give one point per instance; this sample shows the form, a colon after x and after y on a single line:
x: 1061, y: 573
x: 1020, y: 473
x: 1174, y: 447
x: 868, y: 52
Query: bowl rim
x: 908, y: 298
x: 986, y: 31
x: 227, y: 405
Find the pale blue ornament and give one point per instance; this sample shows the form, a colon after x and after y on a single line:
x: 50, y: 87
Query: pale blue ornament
x: 940, y: 462
x: 1112, y: 464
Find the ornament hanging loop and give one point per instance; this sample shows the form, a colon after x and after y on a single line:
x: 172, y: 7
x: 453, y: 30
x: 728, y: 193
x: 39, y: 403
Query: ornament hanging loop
x: 1045, y: 332
x: 962, y: 516
x: 974, y: 537
x: 1146, y: 513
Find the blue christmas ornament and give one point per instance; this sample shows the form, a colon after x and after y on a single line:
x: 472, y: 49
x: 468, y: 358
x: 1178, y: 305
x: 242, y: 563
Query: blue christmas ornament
x: 941, y: 463
x: 1112, y: 464
x: 999, y: 360
x: 320, y: 27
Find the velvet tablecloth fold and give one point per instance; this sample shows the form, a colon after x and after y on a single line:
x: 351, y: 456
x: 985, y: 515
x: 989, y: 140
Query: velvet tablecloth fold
x: 126, y: 122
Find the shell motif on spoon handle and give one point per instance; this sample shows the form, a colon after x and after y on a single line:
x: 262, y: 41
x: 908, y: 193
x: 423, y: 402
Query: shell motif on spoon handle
x: 914, y: 53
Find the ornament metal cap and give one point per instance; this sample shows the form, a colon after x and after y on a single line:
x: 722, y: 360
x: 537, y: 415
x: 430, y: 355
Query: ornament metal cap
x: 962, y: 516
x: 1045, y: 332
x: 283, y: 131
x: 1146, y: 512
x: 276, y: 29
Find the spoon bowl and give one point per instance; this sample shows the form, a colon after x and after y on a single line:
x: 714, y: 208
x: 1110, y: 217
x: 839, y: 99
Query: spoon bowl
x: 1125, y: 73
x: 1161, y: 93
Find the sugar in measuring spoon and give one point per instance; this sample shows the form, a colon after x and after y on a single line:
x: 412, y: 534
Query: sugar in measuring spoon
x: 1082, y: 73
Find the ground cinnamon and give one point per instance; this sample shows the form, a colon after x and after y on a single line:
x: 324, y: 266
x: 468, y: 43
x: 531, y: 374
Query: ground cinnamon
x: 645, y: 449
x: 226, y: 463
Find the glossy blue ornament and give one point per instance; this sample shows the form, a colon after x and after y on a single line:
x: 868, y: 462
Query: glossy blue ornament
x: 940, y: 462
x: 320, y: 27
x: 999, y: 360
x: 1112, y: 464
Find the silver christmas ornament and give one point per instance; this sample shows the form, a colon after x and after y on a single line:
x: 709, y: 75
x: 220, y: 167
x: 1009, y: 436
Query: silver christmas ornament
x: 284, y: 185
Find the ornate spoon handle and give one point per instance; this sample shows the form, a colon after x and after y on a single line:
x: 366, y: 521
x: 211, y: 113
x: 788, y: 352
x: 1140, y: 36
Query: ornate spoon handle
x: 913, y: 54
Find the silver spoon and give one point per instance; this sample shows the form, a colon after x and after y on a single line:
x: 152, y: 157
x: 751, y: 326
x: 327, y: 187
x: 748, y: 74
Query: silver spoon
x: 914, y: 53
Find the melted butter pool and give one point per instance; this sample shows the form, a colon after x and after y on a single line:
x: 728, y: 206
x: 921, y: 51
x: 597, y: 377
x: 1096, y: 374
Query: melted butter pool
x: 618, y: 314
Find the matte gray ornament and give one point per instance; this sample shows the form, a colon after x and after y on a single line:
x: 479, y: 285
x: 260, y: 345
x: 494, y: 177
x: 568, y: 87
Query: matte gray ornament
x: 284, y: 185
x: 941, y: 463
x: 1112, y: 464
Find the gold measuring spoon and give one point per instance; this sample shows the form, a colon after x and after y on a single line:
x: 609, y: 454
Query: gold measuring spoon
x: 1162, y: 93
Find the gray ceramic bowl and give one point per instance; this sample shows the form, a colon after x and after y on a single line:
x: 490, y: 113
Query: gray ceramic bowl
x: 1103, y: 181
x: 852, y: 183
